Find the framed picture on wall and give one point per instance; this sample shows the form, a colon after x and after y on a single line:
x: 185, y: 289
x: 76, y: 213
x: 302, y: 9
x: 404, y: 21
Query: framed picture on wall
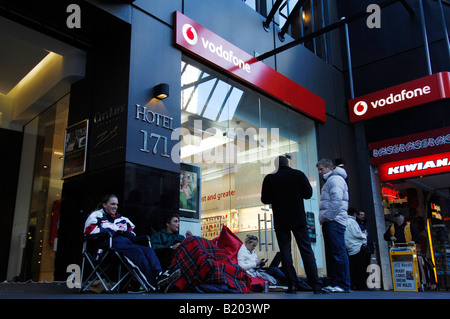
x: 75, y: 149
x: 190, y: 190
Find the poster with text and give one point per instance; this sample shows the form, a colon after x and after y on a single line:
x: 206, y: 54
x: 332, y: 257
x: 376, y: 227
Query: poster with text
x: 75, y: 146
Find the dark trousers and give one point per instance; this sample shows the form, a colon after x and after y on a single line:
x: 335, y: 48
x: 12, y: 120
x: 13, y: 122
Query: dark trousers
x: 336, y: 254
x: 358, y: 270
x: 142, y: 256
x: 304, y: 245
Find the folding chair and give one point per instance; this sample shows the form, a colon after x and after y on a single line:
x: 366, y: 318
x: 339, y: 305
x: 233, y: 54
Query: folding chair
x: 103, y: 266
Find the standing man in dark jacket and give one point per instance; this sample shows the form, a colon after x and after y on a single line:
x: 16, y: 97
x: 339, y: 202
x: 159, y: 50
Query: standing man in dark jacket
x: 285, y: 190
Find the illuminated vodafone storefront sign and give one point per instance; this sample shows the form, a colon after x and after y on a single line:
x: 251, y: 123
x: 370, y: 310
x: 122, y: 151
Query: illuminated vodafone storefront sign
x: 415, y: 167
x: 208, y: 46
x: 424, y: 90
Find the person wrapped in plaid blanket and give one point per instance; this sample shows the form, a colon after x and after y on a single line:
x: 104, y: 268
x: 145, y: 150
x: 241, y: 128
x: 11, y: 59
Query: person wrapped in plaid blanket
x: 204, y: 265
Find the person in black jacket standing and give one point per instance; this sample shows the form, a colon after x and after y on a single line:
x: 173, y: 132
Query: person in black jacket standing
x: 285, y: 190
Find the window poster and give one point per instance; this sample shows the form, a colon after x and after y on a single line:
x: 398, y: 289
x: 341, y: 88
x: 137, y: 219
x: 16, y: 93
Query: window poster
x: 190, y: 180
x: 75, y: 149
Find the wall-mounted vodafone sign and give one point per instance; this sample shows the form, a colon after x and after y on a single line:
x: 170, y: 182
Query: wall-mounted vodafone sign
x: 424, y: 90
x: 414, y: 167
x: 194, y: 38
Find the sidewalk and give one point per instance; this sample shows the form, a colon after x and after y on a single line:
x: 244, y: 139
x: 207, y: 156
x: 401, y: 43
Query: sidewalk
x: 59, y: 290
x: 56, y: 299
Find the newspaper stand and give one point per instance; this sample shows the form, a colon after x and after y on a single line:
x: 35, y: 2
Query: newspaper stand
x: 405, y: 268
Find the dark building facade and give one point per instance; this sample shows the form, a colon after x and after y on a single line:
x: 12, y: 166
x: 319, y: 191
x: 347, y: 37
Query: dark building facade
x: 203, y: 150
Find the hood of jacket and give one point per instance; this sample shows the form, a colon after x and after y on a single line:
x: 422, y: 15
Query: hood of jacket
x: 337, y: 171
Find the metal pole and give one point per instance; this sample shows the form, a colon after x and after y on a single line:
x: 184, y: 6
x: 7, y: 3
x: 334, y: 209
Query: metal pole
x: 266, y: 24
x: 425, y: 38
x: 265, y: 230
x: 322, y: 31
x: 259, y: 231
x: 324, y: 35
x: 444, y: 25
x: 313, y: 28
x: 271, y: 231
x: 349, y: 59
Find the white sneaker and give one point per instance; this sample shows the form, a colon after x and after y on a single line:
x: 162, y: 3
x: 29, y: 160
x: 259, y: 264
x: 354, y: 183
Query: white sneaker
x: 330, y: 289
x: 338, y: 289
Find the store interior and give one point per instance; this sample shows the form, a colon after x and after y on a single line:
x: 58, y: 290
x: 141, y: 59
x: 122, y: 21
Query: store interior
x: 425, y: 202
x: 233, y: 135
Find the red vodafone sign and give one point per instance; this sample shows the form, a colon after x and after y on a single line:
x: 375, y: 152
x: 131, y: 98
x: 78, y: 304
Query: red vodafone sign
x: 197, y: 40
x: 424, y: 90
x: 414, y: 167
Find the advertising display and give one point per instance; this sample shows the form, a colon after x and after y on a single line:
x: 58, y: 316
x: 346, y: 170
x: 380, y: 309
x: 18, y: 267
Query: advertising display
x: 405, y: 272
x: 190, y: 190
x: 75, y: 142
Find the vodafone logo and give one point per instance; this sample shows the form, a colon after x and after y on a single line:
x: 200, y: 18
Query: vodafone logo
x: 215, y: 47
x: 360, y: 108
x: 189, y: 34
x: 389, y: 100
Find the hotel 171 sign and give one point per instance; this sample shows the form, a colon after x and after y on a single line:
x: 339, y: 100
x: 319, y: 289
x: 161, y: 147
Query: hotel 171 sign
x: 195, y: 39
x: 424, y: 90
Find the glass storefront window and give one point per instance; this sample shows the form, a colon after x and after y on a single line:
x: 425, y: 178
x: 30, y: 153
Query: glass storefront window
x: 41, y: 194
x: 234, y: 134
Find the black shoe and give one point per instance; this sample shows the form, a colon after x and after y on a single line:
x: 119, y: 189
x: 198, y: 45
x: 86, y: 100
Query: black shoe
x: 321, y: 291
x: 166, y: 279
x: 302, y: 286
x: 291, y: 289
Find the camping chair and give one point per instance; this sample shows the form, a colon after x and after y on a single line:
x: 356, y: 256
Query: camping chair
x: 103, y: 266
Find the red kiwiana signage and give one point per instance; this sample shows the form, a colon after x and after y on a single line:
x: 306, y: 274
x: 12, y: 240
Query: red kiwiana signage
x: 194, y: 38
x: 414, y: 167
x: 420, y: 144
x: 424, y: 90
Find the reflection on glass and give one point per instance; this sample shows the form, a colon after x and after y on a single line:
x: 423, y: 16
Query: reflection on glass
x: 234, y: 135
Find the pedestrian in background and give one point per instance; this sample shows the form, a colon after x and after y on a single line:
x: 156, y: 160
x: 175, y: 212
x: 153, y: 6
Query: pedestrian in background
x: 356, y: 244
x: 370, y: 249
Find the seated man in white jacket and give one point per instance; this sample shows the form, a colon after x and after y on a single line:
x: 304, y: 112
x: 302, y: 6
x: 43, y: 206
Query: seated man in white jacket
x: 356, y: 242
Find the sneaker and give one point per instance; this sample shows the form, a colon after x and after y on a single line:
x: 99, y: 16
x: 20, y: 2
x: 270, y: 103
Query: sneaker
x: 329, y: 289
x: 338, y: 289
x: 166, y: 279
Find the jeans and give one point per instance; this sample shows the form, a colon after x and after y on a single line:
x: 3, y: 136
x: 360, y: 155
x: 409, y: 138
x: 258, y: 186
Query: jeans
x: 304, y: 245
x: 336, y: 254
x: 144, y: 257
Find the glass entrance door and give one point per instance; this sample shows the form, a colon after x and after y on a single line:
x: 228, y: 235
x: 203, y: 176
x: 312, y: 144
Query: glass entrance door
x: 43, y: 151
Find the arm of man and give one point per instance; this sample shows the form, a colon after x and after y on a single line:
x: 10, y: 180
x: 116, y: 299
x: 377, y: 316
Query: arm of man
x: 336, y: 197
x: 306, y: 189
x: 266, y: 192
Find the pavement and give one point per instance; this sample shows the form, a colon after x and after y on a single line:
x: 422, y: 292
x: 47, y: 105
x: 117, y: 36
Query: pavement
x: 32, y: 297
x: 59, y: 290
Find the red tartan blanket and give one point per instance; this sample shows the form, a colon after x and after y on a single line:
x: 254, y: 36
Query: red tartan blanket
x: 202, y: 262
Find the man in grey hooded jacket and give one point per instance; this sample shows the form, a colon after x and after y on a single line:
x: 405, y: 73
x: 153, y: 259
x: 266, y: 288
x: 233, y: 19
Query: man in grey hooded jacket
x: 333, y: 218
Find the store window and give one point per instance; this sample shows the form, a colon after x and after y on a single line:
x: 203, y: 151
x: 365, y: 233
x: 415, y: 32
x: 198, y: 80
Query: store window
x: 233, y: 134
x: 39, y: 190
